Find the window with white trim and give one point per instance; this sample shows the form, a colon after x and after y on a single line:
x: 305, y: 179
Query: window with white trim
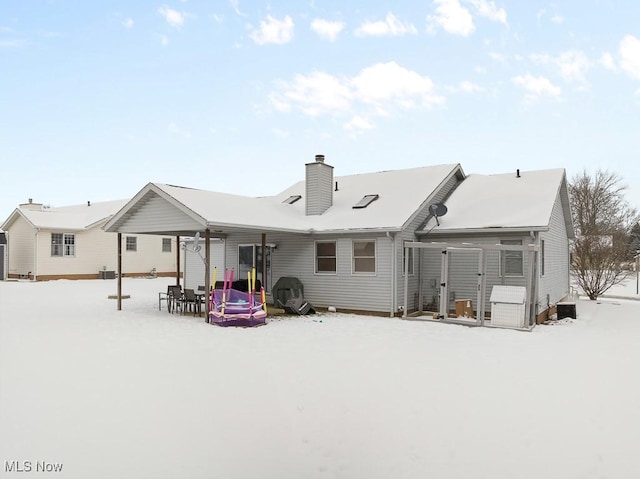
x: 364, y: 256
x: 166, y: 245
x: 541, y: 257
x: 63, y: 244
x: 511, y: 261
x: 326, y: 258
x: 131, y: 243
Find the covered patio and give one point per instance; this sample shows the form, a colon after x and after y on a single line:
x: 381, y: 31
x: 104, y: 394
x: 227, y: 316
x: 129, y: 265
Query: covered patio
x: 186, y: 213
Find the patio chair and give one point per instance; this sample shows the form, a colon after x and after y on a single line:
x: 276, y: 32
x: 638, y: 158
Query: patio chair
x: 174, y: 301
x: 189, y: 301
x: 164, y: 296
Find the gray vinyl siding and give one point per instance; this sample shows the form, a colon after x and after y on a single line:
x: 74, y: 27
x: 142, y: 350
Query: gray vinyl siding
x: 555, y: 281
x: 464, y: 268
x: 194, y: 268
x: 408, y: 234
x: 295, y: 256
x: 158, y: 215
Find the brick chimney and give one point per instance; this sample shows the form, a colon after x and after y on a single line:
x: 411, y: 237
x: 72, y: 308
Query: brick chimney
x: 318, y: 186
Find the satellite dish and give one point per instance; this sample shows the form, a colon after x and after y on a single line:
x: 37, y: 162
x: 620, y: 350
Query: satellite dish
x: 196, y: 242
x: 437, y: 210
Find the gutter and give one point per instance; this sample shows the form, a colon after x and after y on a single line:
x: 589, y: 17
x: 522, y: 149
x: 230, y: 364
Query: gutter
x: 495, y: 229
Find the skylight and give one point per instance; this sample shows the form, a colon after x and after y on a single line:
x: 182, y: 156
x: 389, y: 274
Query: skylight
x: 366, y: 201
x: 292, y: 199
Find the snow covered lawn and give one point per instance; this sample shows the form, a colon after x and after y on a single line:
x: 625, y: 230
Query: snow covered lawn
x: 141, y: 393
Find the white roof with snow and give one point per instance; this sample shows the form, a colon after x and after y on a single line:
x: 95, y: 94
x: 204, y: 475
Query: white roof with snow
x: 401, y: 194
x: 68, y: 218
x: 506, y: 201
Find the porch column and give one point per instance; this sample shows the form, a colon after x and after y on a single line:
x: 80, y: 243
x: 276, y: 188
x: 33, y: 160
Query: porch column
x: 207, y: 272
x: 264, y: 260
x: 178, y: 260
x: 119, y: 292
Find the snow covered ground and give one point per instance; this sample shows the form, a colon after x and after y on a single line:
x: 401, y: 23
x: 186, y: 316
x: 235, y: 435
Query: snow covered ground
x: 141, y: 393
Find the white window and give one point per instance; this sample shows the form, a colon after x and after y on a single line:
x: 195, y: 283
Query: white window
x: 326, y: 257
x: 166, y: 245
x: 132, y: 243
x: 364, y: 256
x: 63, y: 244
x: 511, y: 263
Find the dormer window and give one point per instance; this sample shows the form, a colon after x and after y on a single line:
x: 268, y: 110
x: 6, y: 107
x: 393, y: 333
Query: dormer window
x: 366, y: 201
x: 292, y: 199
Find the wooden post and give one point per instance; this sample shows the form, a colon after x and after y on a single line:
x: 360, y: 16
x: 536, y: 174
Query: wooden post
x: 264, y: 261
x: 178, y: 261
x: 207, y: 272
x: 119, y: 272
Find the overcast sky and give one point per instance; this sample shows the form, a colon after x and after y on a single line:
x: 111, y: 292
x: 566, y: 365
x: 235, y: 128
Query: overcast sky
x: 98, y: 98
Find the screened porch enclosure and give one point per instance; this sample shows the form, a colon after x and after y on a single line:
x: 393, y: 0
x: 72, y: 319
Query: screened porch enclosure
x: 470, y: 283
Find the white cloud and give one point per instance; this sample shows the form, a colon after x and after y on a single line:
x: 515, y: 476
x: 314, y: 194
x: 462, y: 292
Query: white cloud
x: 127, y: 22
x: 629, y: 50
x: 358, y: 123
x: 315, y: 94
x: 236, y: 8
x: 557, y: 19
x: 390, y: 26
x: 175, y: 130
x: 327, y: 29
x: 452, y: 17
x: 498, y: 57
x: 373, y: 92
x: 536, y: 87
x: 390, y: 83
x: 173, y: 17
x: 488, y: 9
x: 164, y: 40
x: 572, y: 65
x: 273, y: 30
x: 607, y: 62
x: 470, y: 87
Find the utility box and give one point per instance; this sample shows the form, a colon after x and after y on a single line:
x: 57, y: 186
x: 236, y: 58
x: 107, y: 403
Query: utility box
x: 107, y: 274
x: 566, y: 310
x: 508, y: 306
x: 464, y: 308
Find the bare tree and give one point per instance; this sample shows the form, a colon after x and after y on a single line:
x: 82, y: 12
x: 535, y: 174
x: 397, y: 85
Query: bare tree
x: 603, y: 220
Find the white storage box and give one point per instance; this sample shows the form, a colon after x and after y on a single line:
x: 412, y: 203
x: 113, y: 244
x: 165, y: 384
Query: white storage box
x: 508, y: 306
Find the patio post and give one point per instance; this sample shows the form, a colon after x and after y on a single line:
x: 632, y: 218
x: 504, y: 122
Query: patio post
x: 207, y: 272
x: 178, y: 260
x: 264, y: 260
x: 119, y: 300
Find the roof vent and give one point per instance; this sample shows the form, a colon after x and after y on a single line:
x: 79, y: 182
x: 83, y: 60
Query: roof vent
x: 518, y: 173
x: 292, y: 199
x: 365, y: 201
x: 320, y: 158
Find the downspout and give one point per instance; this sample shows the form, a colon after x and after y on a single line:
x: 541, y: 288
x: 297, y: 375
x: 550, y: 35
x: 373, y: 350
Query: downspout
x: 394, y: 282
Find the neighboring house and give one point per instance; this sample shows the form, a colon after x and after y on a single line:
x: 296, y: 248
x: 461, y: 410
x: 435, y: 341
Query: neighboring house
x: 519, y: 208
x: 47, y: 243
x: 343, y: 237
x: 3, y: 256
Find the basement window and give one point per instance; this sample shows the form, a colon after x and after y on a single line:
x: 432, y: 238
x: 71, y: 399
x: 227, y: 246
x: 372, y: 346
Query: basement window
x: 366, y: 201
x: 292, y: 199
